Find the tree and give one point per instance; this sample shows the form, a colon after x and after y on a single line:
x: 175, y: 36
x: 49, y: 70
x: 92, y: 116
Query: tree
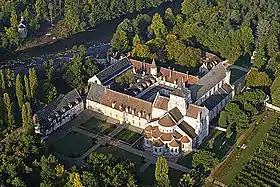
x: 74, y: 180
x: 204, y: 159
x: 161, y: 172
x: 228, y: 131
x: 51, y: 7
x: 223, y: 119
x: 10, y: 77
x: 2, y: 80
x: 275, y: 97
x: 9, y: 115
x: 50, y: 92
x: 11, y: 39
x: 33, y: 80
x: 13, y: 20
x: 25, y: 121
x: 272, y: 45
x: 257, y: 79
x: 27, y: 88
x: 275, y: 85
x: 259, y: 58
x: 186, y: 181
x: 91, y: 67
x: 120, y: 41
x: 2, y: 111
x: 26, y: 117
x: 158, y: 27
x: 19, y: 90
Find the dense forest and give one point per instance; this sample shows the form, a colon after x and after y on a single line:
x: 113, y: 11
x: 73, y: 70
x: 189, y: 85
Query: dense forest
x: 66, y: 16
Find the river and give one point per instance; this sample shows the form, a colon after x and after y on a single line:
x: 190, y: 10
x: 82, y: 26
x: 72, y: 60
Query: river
x: 100, y: 34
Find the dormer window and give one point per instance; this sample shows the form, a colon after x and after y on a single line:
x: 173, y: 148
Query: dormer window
x: 70, y: 105
x: 56, y: 114
x: 77, y: 101
x: 63, y: 110
x: 50, y: 119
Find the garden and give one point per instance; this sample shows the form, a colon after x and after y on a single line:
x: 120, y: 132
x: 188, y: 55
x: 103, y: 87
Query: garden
x: 73, y: 145
x: 98, y: 126
x: 128, y: 136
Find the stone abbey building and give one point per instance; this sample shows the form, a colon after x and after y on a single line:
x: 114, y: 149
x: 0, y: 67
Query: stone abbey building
x: 173, y: 108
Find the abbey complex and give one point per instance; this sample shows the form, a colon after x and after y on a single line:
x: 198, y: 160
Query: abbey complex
x: 172, y: 108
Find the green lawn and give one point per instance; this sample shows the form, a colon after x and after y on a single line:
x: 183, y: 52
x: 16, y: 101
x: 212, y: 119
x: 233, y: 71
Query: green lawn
x: 236, y: 74
x: 128, y: 136
x: 253, y: 143
x: 98, y: 126
x: 73, y: 145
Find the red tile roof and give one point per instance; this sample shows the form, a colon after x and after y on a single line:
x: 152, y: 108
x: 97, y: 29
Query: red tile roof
x: 166, y: 136
x: 185, y: 140
x: 155, y: 132
x: 193, y: 111
x: 148, y: 135
x: 165, y: 72
x: 121, y: 101
x: 174, y: 143
x: 148, y: 128
x: 161, y: 103
x: 158, y: 143
x: 166, y: 121
x: 178, y: 76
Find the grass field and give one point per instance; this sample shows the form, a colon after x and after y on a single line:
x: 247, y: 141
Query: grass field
x: 128, y: 136
x: 243, y: 156
x: 73, y: 145
x: 98, y: 126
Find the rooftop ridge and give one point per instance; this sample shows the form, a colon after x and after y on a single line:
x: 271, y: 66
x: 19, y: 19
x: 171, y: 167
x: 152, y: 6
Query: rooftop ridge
x: 129, y: 96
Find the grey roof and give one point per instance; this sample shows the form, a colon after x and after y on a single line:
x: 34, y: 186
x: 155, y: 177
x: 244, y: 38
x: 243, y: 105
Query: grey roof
x: 57, y: 105
x: 217, y: 97
x: 181, y: 92
x: 95, y: 92
x: 176, y: 114
x: 189, y: 130
x: 208, y: 81
x: 113, y: 70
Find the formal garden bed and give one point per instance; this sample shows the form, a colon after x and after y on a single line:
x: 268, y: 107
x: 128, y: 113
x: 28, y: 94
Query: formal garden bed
x: 98, y: 126
x: 73, y: 145
x: 128, y: 136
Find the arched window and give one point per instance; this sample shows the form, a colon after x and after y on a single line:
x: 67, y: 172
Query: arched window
x: 159, y: 149
x: 172, y: 150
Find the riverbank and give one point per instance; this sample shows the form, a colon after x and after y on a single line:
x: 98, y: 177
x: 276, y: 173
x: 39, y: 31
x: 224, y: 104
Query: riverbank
x: 102, y: 33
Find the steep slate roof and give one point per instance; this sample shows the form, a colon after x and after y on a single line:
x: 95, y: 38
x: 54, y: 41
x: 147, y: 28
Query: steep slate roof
x: 96, y: 92
x: 161, y: 102
x: 217, y: 97
x: 208, y: 81
x: 176, y: 114
x: 57, y: 105
x: 166, y: 121
x: 181, y: 92
x: 113, y: 70
x: 193, y: 111
x: 187, y: 129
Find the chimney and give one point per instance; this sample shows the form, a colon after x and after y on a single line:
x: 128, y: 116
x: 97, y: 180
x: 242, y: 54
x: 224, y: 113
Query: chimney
x: 182, y: 80
x: 170, y: 72
x: 120, y: 107
x: 113, y: 104
x: 187, y: 75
